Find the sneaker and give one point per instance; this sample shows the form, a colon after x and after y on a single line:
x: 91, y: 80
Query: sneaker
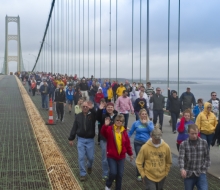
x: 106, y: 188
x: 174, y: 132
x: 82, y: 178
x: 57, y: 119
x: 139, y: 178
x: 104, y: 178
x: 89, y: 170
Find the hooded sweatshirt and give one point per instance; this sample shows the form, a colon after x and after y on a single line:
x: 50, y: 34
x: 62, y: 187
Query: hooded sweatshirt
x: 120, y: 90
x: 182, y: 128
x: 157, y: 160
x: 206, y: 121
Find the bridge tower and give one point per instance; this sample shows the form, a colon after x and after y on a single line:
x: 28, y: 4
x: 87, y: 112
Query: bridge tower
x: 8, y: 37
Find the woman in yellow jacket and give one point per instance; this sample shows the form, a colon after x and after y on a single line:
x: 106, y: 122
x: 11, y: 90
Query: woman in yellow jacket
x: 110, y: 94
x: 206, y: 122
x: 120, y: 90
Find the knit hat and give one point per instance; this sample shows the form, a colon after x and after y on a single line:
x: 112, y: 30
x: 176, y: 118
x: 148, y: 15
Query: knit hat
x: 109, y: 104
x: 156, y: 133
x: 100, y: 88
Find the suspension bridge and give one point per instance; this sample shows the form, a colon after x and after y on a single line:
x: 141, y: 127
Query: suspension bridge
x: 75, y: 40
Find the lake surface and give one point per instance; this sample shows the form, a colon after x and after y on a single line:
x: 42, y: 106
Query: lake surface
x: 201, y: 90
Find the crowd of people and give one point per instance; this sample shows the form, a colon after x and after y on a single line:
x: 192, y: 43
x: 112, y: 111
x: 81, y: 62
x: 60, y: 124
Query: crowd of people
x: 109, y: 105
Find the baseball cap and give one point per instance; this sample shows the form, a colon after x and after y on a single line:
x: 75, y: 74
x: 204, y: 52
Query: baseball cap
x: 109, y: 104
x: 157, y: 133
x: 188, y: 87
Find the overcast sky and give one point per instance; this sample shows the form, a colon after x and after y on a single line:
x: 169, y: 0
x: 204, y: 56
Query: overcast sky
x: 199, y: 36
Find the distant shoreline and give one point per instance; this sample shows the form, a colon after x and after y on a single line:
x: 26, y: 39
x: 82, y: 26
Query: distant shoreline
x: 152, y: 81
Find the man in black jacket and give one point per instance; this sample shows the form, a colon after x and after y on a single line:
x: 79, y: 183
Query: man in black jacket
x: 174, y: 108
x: 114, y: 89
x: 159, y: 101
x: 110, y: 113
x: 84, y: 89
x: 84, y: 128
x: 60, y: 100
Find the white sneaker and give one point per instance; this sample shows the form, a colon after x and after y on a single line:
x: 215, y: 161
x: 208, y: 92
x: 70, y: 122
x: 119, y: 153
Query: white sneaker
x: 106, y: 188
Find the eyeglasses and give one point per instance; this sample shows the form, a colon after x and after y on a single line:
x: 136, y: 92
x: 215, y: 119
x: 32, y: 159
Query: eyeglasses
x: 158, y: 90
x: 214, y: 95
x: 85, y: 106
x: 119, y: 120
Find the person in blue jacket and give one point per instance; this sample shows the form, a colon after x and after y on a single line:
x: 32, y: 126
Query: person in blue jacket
x: 105, y: 91
x: 70, y: 97
x: 143, y: 128
x: 198, y: 108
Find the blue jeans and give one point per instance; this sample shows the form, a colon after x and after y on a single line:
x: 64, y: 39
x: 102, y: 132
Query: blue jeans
x: 137, y: 147
x: 200, y: 182
x: 160, y: 114
x: 126, y: 119
x: 92, y: 99
x: 45, y: 100
x: 137, y: 116
x: 116, y: 170
x: 174, y: 118
x: 208, y: 138
x: 104, y: 158
x: 86, y: 148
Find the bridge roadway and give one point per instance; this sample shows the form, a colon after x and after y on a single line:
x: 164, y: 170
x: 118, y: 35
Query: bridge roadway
x: 21, y: 165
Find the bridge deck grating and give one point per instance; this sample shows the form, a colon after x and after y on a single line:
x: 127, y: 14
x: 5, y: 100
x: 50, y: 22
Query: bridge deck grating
x: 61, y: 131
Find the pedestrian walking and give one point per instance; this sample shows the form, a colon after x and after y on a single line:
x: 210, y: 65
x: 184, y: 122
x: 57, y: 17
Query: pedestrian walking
x: 118, y: 144
x: 194, y: 160
x: 158, y: 101
x: 207, y: 122
x: 187, y: 99
x: 154, y: 161
x: 143, y: 128
x: 60, y: 101
x: 84, y: 128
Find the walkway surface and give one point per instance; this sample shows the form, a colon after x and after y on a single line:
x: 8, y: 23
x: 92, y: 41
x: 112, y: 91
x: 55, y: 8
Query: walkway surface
x: 22, y: 167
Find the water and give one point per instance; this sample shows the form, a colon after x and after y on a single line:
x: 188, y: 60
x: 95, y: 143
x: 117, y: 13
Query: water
x: 201, y: 90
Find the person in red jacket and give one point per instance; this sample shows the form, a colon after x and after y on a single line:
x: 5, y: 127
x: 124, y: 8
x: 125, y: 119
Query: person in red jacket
x: 98, y: 96
x: 118, y: 144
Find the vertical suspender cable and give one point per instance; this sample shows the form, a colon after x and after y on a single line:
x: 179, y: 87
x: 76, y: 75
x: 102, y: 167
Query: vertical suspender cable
x: 83, y: 38
x: 58, y: 37
x: 46, y: 53
x: 51, y: 46
x: 62, y: 39
x: 100, y: 38
x: 179, y: 47
x: 147, y: 49
x: 168, y: 70
x: 79, y: 38
x: 66, y: 52
x: 116, y: 50
x: 54, y: 37
x: 132, y: 46
x: 68, y: 40
x: 110, y: 40
x: 71, y: 68
x: 75, y: 38
x: 94, y: 35
x: 88, y: 38
x: 140, y: 38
